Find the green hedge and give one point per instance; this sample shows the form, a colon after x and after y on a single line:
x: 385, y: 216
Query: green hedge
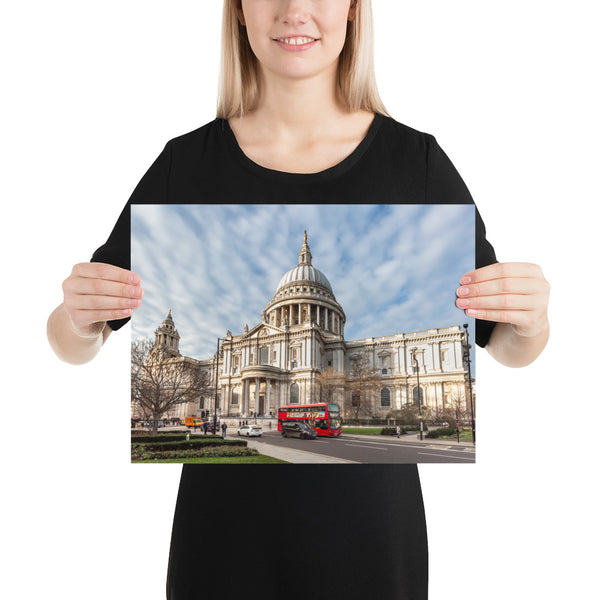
x: 190, y: 445
x: 140, y: 432
x: 441, y: 432
x: 142, y: 453
x: 174, y: 437
x: 392, y: 431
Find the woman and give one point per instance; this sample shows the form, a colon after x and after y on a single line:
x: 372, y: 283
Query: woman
x: 299, y: 120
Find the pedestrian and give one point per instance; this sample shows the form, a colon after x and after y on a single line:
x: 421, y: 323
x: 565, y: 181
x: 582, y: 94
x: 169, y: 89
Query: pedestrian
x: 224, y: 429
x: 398, y: 431
x: 299, y: 117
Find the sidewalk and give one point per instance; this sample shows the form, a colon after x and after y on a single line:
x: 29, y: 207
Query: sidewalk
x: 294, y: 456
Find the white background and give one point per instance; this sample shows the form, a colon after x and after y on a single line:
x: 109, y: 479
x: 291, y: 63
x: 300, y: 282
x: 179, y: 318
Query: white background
x: 93, y: 90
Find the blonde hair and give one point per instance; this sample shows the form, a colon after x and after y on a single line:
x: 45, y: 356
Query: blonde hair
x: 239, y: 78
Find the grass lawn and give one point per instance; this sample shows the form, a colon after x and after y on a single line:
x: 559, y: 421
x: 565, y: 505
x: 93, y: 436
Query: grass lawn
x: 363, y: 430
x: 219, y: 460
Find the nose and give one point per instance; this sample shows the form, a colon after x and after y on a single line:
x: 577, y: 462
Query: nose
x: 294, y: 12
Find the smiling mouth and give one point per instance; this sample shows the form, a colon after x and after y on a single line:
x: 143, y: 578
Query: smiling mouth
x: 296, y: 41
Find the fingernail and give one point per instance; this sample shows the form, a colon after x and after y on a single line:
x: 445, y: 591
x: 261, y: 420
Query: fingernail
x: 472, y: 312
x: 462, y: 291
x: 463, y: 302
x: 465, y: 279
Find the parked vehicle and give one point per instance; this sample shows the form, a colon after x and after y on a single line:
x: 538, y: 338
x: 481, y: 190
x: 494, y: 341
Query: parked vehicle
x: 299, y: 430
x: 250, y: 431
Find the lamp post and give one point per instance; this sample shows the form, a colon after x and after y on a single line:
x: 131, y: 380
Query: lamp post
x: 216, y: 390
x: 416, y: 362
x: 467, y: 356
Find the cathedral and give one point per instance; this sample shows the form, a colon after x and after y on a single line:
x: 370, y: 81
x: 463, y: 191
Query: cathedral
x: 281, y: 360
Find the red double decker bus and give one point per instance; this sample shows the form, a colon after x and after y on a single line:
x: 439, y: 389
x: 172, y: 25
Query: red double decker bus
x: 324, y: 418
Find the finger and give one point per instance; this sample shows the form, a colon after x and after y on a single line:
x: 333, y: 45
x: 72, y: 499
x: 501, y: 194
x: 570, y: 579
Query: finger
x: 89, y: 302
x: 508, y: 285
x: 501, y: 302
x: 501, y: 271
x: 84, y: 318
x: 526, y: 323
x: 107, y: 272
x: 101, y: 287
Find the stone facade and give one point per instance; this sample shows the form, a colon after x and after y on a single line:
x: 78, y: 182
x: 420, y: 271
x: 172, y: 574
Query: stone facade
x: 301, y: 335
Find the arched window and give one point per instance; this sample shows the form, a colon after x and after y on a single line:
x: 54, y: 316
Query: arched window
x: 418, y: 397
x: 201, y: 402
x: 385, y: 397
x: 355, y: 398
x: 294, y: 393
x: 235, y: 396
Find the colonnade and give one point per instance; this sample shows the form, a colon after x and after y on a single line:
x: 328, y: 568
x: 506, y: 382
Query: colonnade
x: 297, y: 313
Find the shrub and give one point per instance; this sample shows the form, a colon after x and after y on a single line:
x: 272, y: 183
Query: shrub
x: 179, y: 445
x: 142, y: 453
x: 441, y: 432
x: 392, y: 431
x: 174, y: 437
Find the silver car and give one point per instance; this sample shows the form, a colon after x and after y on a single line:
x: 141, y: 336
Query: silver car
x: 250, y: 431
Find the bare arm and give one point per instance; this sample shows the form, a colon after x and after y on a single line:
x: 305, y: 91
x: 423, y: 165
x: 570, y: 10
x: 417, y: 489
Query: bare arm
x: 515, y: 295
x: 94, y: 293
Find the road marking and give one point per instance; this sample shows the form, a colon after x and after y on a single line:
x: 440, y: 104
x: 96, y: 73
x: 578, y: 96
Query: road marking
x: 369, y: 447
x: 446, y: 456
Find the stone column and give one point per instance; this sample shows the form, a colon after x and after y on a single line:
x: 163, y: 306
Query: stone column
x: 268, y: 397
x: 319, y: 315
x: 326, y: 319
x: 256, y: 394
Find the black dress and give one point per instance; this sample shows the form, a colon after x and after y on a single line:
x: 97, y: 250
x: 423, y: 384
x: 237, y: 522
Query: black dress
x: 363, y: 533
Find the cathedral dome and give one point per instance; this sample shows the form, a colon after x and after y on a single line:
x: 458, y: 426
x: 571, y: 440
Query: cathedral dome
x: 305, y: 273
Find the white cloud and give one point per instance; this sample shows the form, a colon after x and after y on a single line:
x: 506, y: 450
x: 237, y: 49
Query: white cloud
x: 393, y: 268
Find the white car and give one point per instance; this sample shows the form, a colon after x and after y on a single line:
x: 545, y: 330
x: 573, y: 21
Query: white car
x: 250, y: 431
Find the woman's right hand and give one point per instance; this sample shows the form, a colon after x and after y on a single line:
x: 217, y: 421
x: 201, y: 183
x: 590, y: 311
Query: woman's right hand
x: 97, y: 292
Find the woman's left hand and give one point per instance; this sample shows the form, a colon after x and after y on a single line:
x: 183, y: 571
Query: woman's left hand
x: 514, y: 293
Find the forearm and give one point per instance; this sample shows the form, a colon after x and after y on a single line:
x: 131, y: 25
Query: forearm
x: 513, y: 350
x: 67, y: 344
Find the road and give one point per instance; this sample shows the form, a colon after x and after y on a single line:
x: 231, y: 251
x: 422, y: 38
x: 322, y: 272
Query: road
x: 361, y: 449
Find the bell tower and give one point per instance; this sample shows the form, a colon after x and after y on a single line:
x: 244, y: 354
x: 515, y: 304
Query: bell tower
x: 166, y: 339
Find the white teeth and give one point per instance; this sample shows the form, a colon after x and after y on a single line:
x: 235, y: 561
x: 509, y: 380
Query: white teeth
x: 296, y: 41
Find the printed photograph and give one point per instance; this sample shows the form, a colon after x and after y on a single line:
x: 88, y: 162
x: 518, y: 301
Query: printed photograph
x: 302, y: 334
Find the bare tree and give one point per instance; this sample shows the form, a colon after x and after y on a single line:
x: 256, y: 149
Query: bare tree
x: 159, y: 384
x: 363, y: 382
x: 456, y: 408
x: 329, y: 382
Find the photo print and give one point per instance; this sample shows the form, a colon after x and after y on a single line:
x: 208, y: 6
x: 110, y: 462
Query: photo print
x: 302, y: 334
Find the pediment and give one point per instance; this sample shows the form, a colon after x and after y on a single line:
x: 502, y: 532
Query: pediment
x: 263, y: 330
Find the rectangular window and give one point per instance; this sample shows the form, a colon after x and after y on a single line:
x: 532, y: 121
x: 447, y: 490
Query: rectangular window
x: 264, y: 356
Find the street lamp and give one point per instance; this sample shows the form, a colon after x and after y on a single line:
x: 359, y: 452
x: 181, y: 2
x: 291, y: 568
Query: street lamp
x: 416, y: 362
x: 216, y: 390
x: 467, y: 356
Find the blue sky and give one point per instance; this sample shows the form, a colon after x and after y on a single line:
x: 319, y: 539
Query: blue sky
x: 393, y: 268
